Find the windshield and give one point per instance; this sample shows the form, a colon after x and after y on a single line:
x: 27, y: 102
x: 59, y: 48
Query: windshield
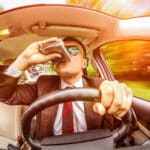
x: 130, y: 63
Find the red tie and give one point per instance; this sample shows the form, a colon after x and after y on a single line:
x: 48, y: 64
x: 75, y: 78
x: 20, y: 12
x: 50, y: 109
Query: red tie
x: 67, y: 118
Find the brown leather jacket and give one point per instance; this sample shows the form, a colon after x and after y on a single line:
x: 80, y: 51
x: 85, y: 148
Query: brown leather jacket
x: 25, y: 94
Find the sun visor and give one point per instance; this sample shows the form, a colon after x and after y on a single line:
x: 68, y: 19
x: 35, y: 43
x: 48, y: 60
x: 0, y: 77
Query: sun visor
x: 87, y: 34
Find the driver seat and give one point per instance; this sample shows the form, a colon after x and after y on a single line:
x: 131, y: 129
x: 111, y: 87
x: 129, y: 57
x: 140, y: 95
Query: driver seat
x: 10, y: 125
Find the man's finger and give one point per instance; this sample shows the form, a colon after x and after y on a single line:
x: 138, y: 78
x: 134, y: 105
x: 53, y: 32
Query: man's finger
x: 47, y: 41
x: 123, y: 108
x: 107, y: 94
x: 50, y: 40
x: 99, y: 108
x: 117, y: 99
x: 126, y: 101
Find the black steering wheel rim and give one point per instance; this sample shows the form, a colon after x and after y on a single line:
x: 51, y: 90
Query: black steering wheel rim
x: 57, y: 97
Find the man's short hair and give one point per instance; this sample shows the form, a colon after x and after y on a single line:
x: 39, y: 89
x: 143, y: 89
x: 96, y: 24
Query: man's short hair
x: 76, y: 40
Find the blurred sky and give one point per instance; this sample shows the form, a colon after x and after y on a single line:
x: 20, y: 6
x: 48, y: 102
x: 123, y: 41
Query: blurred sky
x: 119, y: 8
x: 8, y: 4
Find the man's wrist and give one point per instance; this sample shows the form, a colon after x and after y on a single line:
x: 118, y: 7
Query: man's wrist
x: 13, y: 72
x: 19, y: 64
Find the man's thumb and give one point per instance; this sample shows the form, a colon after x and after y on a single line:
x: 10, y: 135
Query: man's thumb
x: 99, y: 108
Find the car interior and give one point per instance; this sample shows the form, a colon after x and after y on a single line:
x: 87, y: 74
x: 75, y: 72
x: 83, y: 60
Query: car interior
x: 23, y: 25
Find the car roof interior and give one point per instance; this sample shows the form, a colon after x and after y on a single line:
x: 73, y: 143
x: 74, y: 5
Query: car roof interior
x: 36, y: 22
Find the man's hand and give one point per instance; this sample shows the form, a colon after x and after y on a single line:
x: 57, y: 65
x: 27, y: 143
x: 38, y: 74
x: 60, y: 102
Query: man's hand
x: 32, y: 55
x: 116, y: 99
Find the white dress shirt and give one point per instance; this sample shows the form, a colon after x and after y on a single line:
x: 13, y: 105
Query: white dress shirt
x: 13, y: 72
x: 79, y: 120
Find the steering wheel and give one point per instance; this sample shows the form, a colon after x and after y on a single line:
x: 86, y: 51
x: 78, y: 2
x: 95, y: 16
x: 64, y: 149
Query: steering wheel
x: 57, y: 97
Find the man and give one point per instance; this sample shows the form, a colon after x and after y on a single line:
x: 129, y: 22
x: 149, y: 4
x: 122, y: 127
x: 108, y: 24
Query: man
x: 116, y: 97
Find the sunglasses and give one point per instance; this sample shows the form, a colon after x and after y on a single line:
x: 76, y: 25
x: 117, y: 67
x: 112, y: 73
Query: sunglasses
x: 73, y: 50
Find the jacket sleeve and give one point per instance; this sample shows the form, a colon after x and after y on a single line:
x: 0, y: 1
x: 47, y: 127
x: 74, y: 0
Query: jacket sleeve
x: 15, y: 94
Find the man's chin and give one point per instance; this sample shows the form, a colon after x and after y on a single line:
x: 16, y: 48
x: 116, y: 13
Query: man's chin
x: 63, y: 73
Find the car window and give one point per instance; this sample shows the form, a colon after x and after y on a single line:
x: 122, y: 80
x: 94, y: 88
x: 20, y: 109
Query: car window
x: 33, y: 72
x: 130, y: 63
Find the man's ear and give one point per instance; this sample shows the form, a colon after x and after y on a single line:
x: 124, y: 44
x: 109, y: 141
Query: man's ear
x: 85, y: 63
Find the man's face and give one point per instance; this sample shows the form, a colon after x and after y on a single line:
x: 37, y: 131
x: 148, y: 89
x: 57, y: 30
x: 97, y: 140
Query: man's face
x: 77, y: 63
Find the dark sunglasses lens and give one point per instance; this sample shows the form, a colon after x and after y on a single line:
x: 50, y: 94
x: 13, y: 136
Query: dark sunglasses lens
x: 73, y: 50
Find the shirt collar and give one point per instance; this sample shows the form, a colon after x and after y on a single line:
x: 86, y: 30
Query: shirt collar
x: 78, y: 83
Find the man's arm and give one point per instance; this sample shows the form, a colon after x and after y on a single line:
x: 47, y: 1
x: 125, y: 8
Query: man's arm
x: 12, y: 93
